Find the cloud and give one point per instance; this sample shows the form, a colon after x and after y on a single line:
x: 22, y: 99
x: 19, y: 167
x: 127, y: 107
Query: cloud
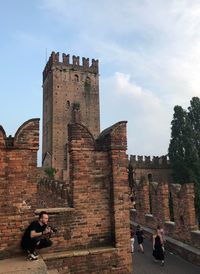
x: 149, y: 55
x: 147, y: 115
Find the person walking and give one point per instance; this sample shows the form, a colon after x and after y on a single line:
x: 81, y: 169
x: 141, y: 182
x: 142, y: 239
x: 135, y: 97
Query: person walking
x: 140, y: 237
x: 158, y: 252
x: 162, y: 236
x: 132, y: 240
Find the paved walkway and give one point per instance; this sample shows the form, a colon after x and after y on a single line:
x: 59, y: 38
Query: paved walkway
x: 143, y: 263
x: 19, y: 265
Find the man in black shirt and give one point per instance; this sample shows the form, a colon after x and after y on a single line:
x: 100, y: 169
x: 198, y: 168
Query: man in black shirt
x: 36, y: 236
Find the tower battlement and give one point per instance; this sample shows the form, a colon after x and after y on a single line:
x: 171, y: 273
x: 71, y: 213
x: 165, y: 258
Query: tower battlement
x: 54, y: 59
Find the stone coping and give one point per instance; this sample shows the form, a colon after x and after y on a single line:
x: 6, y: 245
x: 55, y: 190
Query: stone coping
x: 196, y: 232
x: 77, y: 253
x: 148, y: 215
x: 173, y: 241
x: 170, y: 223
x: 54, y: 210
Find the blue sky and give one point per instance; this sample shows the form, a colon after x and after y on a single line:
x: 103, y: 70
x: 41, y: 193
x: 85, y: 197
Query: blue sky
x: 149, y: 54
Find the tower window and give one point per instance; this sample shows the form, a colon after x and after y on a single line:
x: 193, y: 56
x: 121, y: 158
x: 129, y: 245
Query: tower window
x: 76, y: 78
x: 88, y: 80
x: 87, y: 84
x: 68, y: 104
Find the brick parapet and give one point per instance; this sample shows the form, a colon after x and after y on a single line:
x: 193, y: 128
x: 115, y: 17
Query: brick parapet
x: 26, y: 137
x: 98, y: 176
x: 55, y: 63
x: 19, y: 164
x: 142, y: 199
x: 110, y: 138
x: 18, y: 182
x: 184, y: 210
x: 184, y: 223
x: 56, y: 193
x: 148, y: 162
x: 120, y: 190
x: 160, y: 202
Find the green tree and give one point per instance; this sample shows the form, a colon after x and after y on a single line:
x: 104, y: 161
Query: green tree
x: 184, y: 152
x: 194, y: 116
x: 180, y: 148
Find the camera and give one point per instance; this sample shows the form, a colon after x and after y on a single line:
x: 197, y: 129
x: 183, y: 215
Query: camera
x: 53, y: 229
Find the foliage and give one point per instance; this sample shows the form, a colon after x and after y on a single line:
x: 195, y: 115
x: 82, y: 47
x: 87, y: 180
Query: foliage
x: 50, y: 172
x: 184, y: 147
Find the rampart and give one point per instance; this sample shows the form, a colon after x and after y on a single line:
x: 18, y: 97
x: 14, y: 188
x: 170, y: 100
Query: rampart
x: 154, y: 168
x: 172, y: 207
x: 91, y: 213
x: 65, y: 63
x: 56, y: 193
x: 138, y: 161
x: 18, y: 183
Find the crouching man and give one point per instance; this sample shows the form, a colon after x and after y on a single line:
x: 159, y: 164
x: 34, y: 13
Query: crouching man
x: 36, y: 236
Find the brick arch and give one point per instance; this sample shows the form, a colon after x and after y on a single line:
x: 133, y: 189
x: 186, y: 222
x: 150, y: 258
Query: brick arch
x: 27, y: 134
x: 112, y: 137
x: 78, y: 131
x: 2, y: 137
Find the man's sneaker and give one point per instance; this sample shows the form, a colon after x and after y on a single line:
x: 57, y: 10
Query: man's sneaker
x: 32, y: 257
x: 35, y: 253
x: 162, y: 263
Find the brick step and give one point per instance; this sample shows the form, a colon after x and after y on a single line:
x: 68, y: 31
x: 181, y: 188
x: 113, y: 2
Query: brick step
x: 67, y: 261
x: 76, y: 253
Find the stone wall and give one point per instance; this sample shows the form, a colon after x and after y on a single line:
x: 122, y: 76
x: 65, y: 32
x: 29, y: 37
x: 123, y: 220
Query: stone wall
x: 18, y: 183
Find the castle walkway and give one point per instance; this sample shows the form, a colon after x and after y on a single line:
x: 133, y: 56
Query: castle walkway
x: 144, y: 264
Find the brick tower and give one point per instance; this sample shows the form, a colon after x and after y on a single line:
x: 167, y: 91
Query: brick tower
x: 70, y: 94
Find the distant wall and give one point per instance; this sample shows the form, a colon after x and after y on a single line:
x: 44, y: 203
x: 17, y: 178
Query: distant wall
x: 153, y: 203
x: 156, y: 168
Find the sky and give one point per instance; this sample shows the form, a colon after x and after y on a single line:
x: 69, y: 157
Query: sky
x: 148, y: 52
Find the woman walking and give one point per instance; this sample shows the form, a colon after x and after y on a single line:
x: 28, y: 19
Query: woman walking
x: 158, y: 248
x: 132, y: 240
x: 162, y: 236
x: 140, y: 238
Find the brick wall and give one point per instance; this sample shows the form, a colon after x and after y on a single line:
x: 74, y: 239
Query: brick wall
x: 67, y: 86
x: 100, y: 214
x: 155, y: 168
x: 183, y: 227
x: 56, y: 193
x: 18, y: 183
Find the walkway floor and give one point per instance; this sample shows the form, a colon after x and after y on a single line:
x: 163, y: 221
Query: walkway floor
x: 143, y: 263
x: 19, y: 265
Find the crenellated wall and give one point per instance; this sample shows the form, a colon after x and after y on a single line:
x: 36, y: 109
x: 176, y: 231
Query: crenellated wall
x: 153, y: 207
x: 184, y: 211
x: 18, y: 183
x: 91, y: 213
x: 56, y: 193
x: 98, y: 188
x: 75, y: 64
x: 154, y: 168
